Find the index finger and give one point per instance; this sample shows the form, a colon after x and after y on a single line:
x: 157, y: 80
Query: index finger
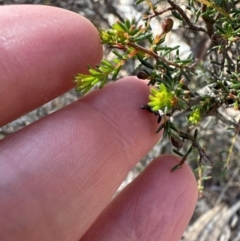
x: 41, y: 48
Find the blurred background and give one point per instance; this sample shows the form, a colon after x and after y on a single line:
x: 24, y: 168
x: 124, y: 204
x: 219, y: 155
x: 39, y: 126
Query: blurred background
x: 216, y: 217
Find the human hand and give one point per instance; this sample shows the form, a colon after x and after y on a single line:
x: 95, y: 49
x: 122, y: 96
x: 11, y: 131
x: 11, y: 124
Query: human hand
x: 58, y: 175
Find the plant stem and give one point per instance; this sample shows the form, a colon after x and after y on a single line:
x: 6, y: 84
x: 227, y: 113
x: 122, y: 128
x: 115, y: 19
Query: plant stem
x: 156, y: 56
x: 186, y: 18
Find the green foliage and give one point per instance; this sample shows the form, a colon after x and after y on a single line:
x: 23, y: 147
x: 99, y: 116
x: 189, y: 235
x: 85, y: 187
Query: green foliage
x: 98, y: 75
x: 168, y: 73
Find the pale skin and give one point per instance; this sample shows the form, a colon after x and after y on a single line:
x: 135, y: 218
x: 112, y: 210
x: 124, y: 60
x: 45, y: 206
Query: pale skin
x: 58, y: 175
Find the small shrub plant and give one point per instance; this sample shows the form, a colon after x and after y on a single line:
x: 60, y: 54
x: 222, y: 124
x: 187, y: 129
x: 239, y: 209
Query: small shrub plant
x: 174, y: 80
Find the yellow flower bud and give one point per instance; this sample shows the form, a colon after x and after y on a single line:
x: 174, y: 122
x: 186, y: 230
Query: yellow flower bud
x: 195, y: 116
x: 161, y: 98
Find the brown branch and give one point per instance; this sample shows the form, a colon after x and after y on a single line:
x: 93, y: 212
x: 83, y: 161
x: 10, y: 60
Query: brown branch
x: 156, y: 56
x: 208, y: 22
x: 202, y: 154
x: 186, y: 18
x: 156, y: 13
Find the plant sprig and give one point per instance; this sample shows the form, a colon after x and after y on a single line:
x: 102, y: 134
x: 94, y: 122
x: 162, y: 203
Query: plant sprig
x: 168, y: 73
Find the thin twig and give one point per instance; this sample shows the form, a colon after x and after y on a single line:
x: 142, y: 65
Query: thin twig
x: 186, y: 18
x: 208, y: 22
x: 202, y: 154
x: 157, y: 57
x: 156, y: 13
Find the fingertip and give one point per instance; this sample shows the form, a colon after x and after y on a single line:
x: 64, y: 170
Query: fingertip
x: 42, y: 48
x: 172, y: 198
x: 176, y: 181
x: 157, y: 205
